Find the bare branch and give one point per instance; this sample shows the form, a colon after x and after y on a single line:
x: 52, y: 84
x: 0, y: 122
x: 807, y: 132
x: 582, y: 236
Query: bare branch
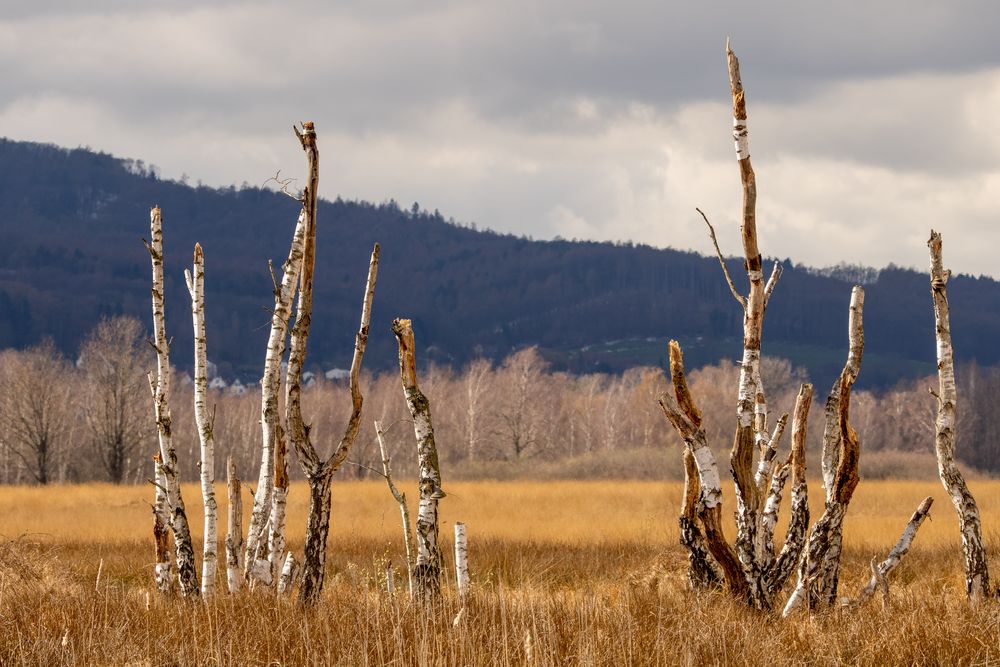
x: 722, y: 262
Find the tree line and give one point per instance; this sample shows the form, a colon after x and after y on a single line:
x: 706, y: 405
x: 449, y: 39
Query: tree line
x: 87, y: 419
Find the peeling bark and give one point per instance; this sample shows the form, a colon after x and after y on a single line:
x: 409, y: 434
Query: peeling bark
x: 820, y: 566
x: 703, y: 571
x: 160, y: 388
x: 279, y: 501
x: 427, y: 570
x: 234, y: 534
x: 977, y: 575
x: 289, y: 571
x: 196, y: 287
x: 404, y: 510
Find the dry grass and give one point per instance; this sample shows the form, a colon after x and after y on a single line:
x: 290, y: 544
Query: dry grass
x: 564, y: 573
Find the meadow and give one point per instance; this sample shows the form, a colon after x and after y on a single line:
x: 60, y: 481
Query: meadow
x: 562, y: 572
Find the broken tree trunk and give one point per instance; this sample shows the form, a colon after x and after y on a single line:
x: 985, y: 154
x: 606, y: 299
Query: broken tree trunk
x: 977, y: 575
x: 159, y: 386
x: 404, y: 510
x: 427, y: 569
x: 196, y: 287
x: 270, y: 387
x: 880, y: 572
x: 820, y: 564
x: 703, y: 571
x: 234, y: 534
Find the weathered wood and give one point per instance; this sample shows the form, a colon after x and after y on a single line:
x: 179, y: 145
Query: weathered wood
x: 820, y: 565
x: 279, y: 502
x: 234, y: 534
x: 159, y: 387
x: 703, y: 571
x: 880, y: 572
x: 427, y: 569
x: 977, y: 574
x: 404, y: 510
x: 289, y: 572
x: 196, y: 287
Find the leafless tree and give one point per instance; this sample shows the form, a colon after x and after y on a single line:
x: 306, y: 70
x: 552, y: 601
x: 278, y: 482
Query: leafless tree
x: 35, y: 412
x: 113, y: 358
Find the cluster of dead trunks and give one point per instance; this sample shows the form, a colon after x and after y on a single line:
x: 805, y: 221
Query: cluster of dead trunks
x: 261, y: 559
x: 752, y: 569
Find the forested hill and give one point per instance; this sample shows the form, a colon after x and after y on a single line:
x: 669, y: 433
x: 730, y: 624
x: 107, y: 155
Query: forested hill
x: 70, y: 252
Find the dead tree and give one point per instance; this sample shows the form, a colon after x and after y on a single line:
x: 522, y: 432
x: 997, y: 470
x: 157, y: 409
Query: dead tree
x: 163, y: 572
x: 159, y: 386
x: 881, y: 571
x: 234, y: 534
x: 196, y: 286
x: 279, y: 503
x: 977, y: 575
x: 758, y: 582
x: 427, y: 569
x: 270, y: 387
x: 319, y: 471
x: 404, y: 510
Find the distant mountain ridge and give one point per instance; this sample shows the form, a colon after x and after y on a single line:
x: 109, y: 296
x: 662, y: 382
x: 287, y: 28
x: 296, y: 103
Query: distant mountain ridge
x: 71, y: 223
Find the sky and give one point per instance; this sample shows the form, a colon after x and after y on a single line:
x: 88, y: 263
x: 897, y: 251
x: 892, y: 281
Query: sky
x: 870, y: 123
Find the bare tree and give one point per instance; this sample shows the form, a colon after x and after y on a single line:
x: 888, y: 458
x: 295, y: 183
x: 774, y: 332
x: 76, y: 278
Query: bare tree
x: 476, y: 375
x: 427, y: 570
x: 977, y: 574
x: 35, y: 411
x: 112, y: 359
x: 521, y: 410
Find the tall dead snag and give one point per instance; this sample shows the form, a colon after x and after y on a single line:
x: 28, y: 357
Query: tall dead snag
x: 234, y: 534
x: 820, y: 565
x: 270, y: 387
x: 977, y: 575
x: 404, y: 510
x: 159, y: 386
x: 196, y: 286
x: 759, y: 584
x: 427, y: 570
x: 318, y: 471
x: 279, y: 503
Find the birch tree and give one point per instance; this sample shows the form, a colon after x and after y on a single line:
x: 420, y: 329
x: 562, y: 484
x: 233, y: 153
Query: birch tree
x: 427, y: 569
x: 977, y: 574
x: 159, y: 386
x: 234, y: 533
x: 196, y: 287
x: 319, y: 471
x: 404, y: 510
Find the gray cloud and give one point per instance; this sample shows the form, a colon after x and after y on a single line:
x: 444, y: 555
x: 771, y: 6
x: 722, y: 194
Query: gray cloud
x: 577, y: 118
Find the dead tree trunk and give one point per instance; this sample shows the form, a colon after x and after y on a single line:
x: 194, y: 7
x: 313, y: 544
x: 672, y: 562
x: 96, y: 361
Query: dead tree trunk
x: 196, y: 287
x: 160, y: 389
x: 461, y: 560
x: 427, y: 570
x: 977, y: 575
x: 270, y: 387
x: 404, y: 510
x: 234, y: 534
x: 163, y: 570
x: 880, y: 572
x: 279, y: 502
x: 703, y: 571
x: 820, y: 565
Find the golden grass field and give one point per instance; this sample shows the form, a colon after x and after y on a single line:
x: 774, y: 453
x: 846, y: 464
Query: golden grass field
x: 563, y: 573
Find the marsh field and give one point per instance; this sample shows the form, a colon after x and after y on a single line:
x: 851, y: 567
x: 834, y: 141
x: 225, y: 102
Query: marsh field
x: 562, y: 573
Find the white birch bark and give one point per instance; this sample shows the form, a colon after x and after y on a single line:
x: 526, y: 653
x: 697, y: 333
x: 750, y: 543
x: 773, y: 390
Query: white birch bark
x: 270, y: 387
x: 289, y: 571
x: 427, y: 570
x: 163, y: 570
x: 404, y: 510
x: 160, y: 388
x: 196, y: 286
x: 279, y: 502
x: 461, y: 560
x: 977, y: 575
x: 234, y: 534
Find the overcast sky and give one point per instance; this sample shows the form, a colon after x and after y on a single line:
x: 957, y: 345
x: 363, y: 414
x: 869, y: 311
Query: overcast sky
x: 597, y: 120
